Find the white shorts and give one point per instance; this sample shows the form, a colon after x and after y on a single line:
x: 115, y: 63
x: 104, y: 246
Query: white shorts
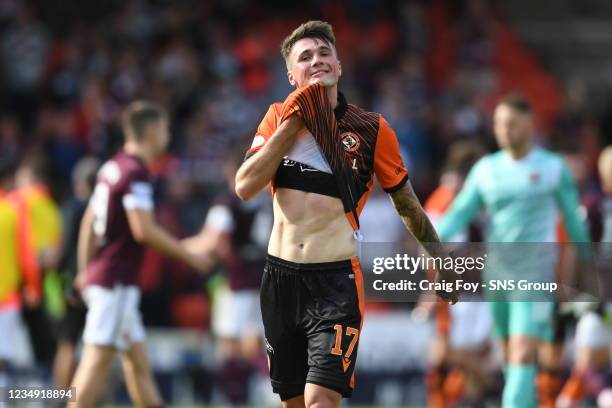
x: 470, y: 324
x: 593, y: 332
x: 15, y: 346
x: 237, y: 314
x: 113, y: 317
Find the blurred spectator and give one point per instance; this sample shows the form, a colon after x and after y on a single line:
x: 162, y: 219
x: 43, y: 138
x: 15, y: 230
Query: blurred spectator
x: 72, y: 320
x: 19, y: 270
x: 45, y: 223
x: 23, y: 49
x: 10, y: 137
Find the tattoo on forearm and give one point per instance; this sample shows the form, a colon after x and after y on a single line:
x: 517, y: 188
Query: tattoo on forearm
x: 408, y: 207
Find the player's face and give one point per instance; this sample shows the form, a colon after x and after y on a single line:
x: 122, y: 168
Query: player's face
x: 512, y: 128
x: 158, y: 134
x: 313, y: 60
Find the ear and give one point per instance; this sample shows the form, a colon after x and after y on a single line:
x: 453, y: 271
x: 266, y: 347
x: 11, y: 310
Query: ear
x: 339, y: 68
x: 290, y: 78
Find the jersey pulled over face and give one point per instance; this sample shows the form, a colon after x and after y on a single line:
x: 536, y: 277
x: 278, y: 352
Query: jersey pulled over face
x: 123, y: 183
x: 369, y: 144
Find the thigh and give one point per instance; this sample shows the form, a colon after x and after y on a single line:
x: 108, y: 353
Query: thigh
x: 136, y: 358
x: 91, y: 375
x: 104, y: 316
x: 132, y: 329
x: 96, y: 357
x: 333, y: 322
x: 286, y: 345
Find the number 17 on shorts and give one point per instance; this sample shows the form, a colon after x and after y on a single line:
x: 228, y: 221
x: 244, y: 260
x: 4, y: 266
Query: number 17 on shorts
x: 352, y: 334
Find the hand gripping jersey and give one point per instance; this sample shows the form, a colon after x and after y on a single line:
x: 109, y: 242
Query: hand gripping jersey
x: 338, y: 152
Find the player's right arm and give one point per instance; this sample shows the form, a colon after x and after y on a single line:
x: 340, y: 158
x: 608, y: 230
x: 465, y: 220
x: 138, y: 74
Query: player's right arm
x: 270, y: 145
x: 464, y: 208
x: 85, y: 246
x: 146, y: 231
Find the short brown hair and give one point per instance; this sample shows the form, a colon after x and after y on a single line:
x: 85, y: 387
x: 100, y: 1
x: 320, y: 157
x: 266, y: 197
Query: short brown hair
x: 517, y: 102
x: 312, y: 29
x: 138, y: 115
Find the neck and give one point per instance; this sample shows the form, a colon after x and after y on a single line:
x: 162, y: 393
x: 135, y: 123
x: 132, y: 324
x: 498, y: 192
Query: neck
x: 138, y: 150
x: 332, y: 94
x: 519, y: 152
x: 451, y: 180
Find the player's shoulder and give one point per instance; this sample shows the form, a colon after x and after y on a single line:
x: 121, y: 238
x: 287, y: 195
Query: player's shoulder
x: 551, y: 162
x: 273, y: 114
x: 488, y: 160
x: 366, y: 122
x: 275, y: 109
x: 275, y: 106
x: 123, y: 167
x: 545, y: 154
x: 366, y: 115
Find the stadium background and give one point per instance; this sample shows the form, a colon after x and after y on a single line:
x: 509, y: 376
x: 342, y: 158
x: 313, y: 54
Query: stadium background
x: 434, y: 69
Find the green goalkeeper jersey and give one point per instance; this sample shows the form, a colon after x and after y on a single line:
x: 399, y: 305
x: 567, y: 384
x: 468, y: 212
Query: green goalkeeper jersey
x: 522, y: 199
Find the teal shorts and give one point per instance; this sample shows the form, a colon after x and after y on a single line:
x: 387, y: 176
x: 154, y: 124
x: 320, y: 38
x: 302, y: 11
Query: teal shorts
x: 532, y: 319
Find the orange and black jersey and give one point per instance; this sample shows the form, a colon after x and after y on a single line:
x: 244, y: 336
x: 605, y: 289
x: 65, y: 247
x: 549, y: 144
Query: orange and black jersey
x: 350, y: 140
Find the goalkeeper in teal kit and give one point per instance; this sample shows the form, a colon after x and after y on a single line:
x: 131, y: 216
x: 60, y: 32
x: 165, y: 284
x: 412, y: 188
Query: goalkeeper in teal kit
x: 523, y: 189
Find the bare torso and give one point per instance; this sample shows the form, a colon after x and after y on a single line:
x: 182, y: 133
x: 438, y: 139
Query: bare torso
x: 310, y: 227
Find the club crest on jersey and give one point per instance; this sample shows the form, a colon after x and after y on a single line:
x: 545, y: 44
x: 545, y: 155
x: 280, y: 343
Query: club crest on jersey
x: 350, y: 141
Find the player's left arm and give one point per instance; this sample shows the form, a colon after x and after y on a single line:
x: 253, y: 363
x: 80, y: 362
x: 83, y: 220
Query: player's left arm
x: 413, y: 216
x: 569, y: 203
x: 393, y: 178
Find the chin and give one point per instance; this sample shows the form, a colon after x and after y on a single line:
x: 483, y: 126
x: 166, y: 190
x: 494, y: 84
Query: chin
x: 325, y: 81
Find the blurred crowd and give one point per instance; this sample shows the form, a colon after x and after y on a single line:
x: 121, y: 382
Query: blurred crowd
x: 434, y: 69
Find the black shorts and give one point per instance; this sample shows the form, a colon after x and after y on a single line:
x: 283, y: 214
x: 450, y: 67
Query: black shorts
x: 312, y: 315
x: 71, y: 325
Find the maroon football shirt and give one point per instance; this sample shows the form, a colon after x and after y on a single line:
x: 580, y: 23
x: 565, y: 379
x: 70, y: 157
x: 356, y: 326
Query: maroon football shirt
x: 123, y: 183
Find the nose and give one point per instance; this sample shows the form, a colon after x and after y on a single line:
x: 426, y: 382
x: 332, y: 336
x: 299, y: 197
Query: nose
x: 316, y: 59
